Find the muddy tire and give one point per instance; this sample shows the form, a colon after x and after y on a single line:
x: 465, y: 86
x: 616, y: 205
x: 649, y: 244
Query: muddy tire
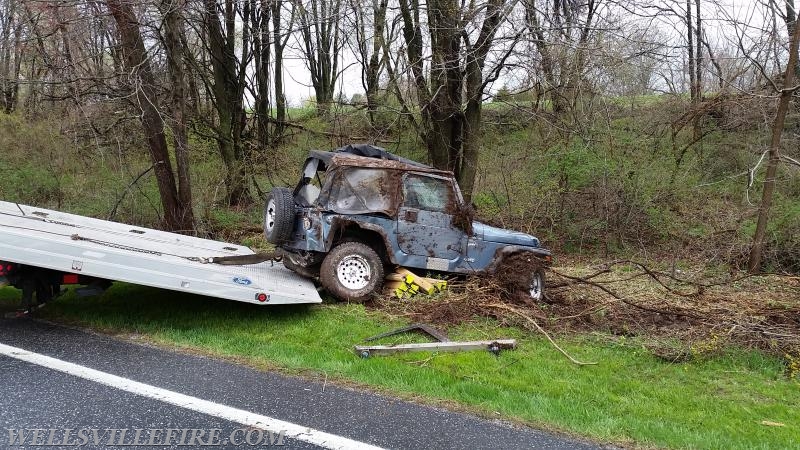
x: 279, y: 215
x: 352, y: 271
x: 536, y: 288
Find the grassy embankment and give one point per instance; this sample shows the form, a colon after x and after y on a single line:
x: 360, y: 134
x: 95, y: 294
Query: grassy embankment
x: 630, y: 397
x: 618, y: 193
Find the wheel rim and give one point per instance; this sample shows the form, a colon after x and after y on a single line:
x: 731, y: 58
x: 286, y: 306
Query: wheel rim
x: 536, y: 286
x: 354, y: 272
x: 269, y: 220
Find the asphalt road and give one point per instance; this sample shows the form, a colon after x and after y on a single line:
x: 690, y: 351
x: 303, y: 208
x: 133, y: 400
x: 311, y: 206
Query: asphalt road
x: 39, y: 395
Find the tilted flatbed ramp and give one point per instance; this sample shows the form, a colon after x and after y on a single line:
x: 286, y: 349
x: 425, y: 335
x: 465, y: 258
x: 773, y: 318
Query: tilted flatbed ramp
x: 115, y: 251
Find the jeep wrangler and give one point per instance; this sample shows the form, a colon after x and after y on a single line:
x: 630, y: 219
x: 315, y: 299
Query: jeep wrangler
x: 359, y: 210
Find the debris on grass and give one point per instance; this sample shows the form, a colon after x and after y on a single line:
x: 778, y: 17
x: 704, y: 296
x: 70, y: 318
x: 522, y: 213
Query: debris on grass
x: 441, y: 343
x: 679, y: 316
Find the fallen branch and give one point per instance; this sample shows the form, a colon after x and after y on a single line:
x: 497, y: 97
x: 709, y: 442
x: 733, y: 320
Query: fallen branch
x: 540, y: 329
x: 656, y: 276
x: 622, y: 299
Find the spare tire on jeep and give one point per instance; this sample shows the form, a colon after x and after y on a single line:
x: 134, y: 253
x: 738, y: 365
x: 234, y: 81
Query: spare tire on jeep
x: 279, y: 215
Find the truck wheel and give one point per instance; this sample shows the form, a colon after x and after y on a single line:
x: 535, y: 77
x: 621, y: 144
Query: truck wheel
x: 279, y: 215
x: 536, y: 288
x: 352, y: 271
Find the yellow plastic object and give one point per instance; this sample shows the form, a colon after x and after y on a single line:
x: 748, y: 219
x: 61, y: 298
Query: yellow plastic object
x: 423, y: 284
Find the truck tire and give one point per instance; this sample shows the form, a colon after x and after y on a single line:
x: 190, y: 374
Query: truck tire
x: 352, y: 271
x: 536, y: 289
x: 279, y: 215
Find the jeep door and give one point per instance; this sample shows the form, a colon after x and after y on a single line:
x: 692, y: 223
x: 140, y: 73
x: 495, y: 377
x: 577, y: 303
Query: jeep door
x: 424, y: 219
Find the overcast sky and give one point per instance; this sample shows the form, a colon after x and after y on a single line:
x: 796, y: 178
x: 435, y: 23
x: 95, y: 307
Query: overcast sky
x: 297, y: 78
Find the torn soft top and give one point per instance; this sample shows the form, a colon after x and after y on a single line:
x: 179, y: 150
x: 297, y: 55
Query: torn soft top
x: 372, y: 151
x: 354, y: 156
x: 364, y: 150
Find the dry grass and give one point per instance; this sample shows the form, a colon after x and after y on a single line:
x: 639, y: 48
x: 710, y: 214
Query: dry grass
x: 679, y: 316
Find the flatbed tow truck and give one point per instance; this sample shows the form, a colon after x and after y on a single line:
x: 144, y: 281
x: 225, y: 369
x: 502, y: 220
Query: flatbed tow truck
x: 42, y: 249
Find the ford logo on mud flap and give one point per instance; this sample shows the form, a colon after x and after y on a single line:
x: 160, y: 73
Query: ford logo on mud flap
x: 244, y: 281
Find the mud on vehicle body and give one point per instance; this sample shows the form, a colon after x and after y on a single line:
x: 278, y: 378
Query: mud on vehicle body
x: 359, y: 210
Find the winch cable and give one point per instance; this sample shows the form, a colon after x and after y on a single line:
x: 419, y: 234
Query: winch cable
x: 234, y: 260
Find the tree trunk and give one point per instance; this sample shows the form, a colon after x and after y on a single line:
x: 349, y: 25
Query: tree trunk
x: 227, y: 90
x: 791, y: 23
x: 261, y: 52
x: 279, y: 44
x: 472, y: 132
x: 690, y: 52
x: 757, y: 250
x: 698, y: 74
x: 173, y: 29
x: 320, y: 32
x: 476, y: 59
x: 698, y: 67
x: 10, y: 58
x: 374, y: 65
x: 145, y: 96
x: 450, y: 129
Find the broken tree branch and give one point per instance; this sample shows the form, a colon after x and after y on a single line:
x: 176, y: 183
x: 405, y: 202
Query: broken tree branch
x: 539, y: 329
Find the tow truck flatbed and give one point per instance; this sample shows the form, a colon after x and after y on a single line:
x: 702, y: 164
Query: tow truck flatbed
x: 102, y: 249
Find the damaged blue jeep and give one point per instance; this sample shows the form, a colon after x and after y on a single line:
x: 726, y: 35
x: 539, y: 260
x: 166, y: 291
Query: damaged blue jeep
x: 360, y: 210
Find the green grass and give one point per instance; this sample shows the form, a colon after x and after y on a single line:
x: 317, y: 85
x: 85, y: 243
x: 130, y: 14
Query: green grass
x: 630, y: 397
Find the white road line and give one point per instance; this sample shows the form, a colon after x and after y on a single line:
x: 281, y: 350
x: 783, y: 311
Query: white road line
x: 243, y: 417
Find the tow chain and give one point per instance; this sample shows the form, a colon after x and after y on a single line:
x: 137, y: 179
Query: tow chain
x: 76, y: 237
x: 234, y: 260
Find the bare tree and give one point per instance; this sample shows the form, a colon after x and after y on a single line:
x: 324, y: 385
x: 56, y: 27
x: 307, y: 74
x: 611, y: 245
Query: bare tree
x: 690, y: 51
x: 228, y: 87
x: 561, y: 31
x: 281, y: 32
x: 367, y: 43
x: 173, y: 19
x: 451, y: 94
x: 177, y: 216
x: 260, y: 17
x: 11, y: 28
x: 790, y: 18
x: 321, y: 44
x: 786, y: 92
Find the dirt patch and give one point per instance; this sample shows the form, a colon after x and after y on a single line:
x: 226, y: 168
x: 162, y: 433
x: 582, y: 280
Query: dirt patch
x: 680, y: 316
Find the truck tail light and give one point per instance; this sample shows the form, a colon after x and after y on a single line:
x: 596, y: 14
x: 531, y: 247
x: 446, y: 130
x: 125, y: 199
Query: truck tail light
x: 69, y: 278
x: 7, y: 268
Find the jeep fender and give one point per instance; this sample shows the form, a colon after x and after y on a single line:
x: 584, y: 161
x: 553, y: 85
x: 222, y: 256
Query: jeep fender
x: 342, y: 226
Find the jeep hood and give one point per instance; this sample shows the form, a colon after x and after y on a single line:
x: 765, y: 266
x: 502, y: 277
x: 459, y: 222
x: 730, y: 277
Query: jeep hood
x: 500, y: 235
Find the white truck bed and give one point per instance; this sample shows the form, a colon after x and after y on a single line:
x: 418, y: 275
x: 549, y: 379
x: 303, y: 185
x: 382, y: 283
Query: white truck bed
x: 115, y: 251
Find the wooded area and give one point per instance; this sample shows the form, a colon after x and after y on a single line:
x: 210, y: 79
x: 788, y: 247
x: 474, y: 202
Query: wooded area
x: 602, y: 90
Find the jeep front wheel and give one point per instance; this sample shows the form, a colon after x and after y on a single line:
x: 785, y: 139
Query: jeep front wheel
x: 352, y: 271
x: 536, y: 288
x: 279, y: 215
